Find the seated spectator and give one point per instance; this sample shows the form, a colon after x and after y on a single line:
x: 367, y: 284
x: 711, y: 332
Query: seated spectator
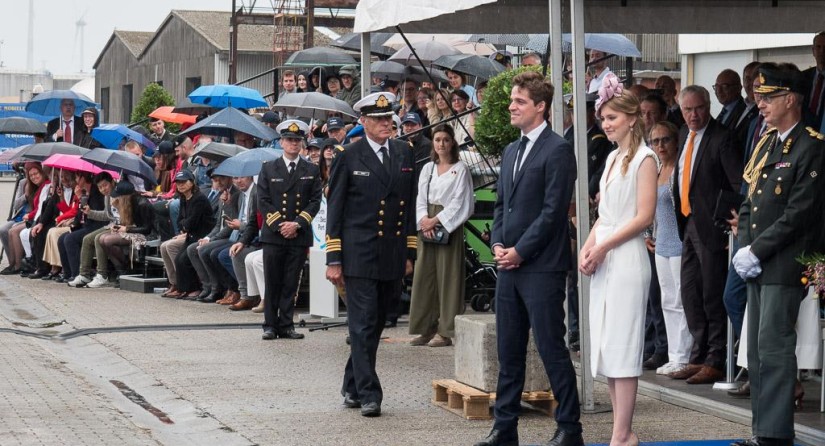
x: 135, y: 225
x: 87, y: 195
x: 203, y: 255
x: 22, y: 203
x: 98, y: 221
x: 423, y: 99
x: 333, y: 85
x: 42, y: 182
x: 232, y: 258
x: 350, y: 84
x: 63, y: 208
x: 464, y: 127
x: 195, y: 221
x: 255, y: 279
x: 439, y: 108
x: 314, y: 147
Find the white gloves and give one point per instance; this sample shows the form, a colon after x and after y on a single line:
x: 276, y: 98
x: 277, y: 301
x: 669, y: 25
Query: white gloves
x: 746, y: 263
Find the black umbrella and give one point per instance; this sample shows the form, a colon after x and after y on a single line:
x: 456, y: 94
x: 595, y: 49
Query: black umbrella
x: 21, y: 126
x: 43, y: 150
x: 352, y: 42
x: 230, y: 120
x: 481, y: 67
x: 309, y: 104
x: 319, y: 56
x: 427, y: 51
x: 121, y: 161
x: 190, y: 108
x: 397, y: 72
x: 219, y: 151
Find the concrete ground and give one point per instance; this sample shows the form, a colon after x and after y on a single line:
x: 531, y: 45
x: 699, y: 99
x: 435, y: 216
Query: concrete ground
x: 227, y: 387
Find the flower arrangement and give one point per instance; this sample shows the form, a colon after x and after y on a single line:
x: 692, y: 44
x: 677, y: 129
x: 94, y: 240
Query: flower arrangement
x: 814, y: 274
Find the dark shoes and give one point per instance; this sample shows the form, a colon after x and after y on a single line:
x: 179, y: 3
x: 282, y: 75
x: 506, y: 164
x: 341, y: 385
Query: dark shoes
x: 707, y: 375
x: 655, y: 361
x: 8, y: 271
x: 499, y: 438
x: 564, y: 438
x: 390, y: 324
x: 292, y: 334
x: 371, y: 410
x: 37, y: 275
x: 212, y: 297
x: 289, y: 334
x: 351, y: 402
x: 744, y: 391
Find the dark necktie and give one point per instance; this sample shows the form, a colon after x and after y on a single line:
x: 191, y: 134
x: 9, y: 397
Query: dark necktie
x: 522, y: 146
x: 757, y: 135
x: 67, y: 132
x: 816, y: 95
x: 722, y: 114
x: 385, y: 158
x: 291, y: 167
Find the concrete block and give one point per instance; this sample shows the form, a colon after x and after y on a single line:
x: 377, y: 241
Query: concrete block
x: 476, y: 355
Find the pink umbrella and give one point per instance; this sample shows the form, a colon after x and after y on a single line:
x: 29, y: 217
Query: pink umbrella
x: 73, y: 163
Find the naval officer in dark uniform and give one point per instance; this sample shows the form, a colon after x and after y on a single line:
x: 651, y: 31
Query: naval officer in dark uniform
x: 779, y: 221
x: 289, y: 196
x: 371, y: 240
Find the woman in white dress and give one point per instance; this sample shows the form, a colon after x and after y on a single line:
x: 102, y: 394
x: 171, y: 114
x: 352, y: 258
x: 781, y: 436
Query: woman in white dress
x: 616, y: 258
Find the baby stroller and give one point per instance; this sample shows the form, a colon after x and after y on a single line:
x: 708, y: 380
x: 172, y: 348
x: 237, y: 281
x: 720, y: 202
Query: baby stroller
x: 480, y: 279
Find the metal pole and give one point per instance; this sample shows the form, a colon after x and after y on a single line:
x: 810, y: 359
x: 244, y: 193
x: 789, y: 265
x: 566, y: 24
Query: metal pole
x: 366, y: 76
x: 582, y: 197
x: 556, y: 67
x: 730, y: 380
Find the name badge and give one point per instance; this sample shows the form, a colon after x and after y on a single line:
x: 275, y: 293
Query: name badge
x: 361, y: 173
x: 406, y: 169
x: 277, y: 180
x: 307, y: 178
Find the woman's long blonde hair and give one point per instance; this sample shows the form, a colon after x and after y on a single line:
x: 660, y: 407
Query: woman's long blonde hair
x: 124, y: 209
x: 630, y: 105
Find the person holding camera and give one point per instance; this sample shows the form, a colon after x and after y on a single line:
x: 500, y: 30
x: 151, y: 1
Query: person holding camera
x: 444, y: 203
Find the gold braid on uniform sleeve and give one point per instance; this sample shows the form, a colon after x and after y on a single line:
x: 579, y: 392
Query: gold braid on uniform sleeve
x: 754, y: 167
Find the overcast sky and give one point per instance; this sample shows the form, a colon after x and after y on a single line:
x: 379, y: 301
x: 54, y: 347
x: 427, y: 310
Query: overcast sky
x: 56, y: 46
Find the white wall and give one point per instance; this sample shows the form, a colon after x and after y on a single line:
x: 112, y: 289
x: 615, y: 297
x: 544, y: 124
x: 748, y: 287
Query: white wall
x: 710, y: 43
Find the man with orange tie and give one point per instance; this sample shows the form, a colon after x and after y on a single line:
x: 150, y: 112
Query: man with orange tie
x: 709, y: 162
x: 66, y: 127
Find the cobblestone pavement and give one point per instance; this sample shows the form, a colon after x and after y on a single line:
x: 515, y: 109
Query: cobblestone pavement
x: 229, y: 387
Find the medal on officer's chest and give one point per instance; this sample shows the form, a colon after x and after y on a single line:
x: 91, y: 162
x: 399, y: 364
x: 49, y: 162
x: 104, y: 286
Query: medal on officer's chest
x: 778, y: 190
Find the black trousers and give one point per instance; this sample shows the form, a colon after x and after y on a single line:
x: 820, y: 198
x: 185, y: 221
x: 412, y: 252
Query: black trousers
x: 187, y: 276
x: 282, y: 272
x: 704, y: 273
x: 367, y: 304
x: 525, y: 300
x: 39, y: 247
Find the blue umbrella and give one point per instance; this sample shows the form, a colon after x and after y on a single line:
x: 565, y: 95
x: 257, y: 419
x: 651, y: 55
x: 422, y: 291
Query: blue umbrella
x: 229, y: 120
x: 248, y: 163
x: 112, y: 135
x: 222, y: 96
x: 122, y: 162
x: 48, y: 103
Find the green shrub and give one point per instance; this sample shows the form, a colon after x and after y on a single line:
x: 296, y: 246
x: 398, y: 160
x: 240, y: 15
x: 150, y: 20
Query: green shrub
x: 153, y: 96
x: 492, y: 129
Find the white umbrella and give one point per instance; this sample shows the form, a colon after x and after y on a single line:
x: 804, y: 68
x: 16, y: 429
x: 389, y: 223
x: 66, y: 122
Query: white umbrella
x: 457, y: 41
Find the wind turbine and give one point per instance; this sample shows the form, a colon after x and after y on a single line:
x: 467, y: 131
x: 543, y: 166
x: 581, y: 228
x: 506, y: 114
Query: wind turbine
x: 80, y: 26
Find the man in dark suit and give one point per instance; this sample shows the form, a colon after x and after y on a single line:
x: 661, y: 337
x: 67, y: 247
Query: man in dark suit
x: 736, y: 115
x: 667, y: 89
x: 709, y: 162
x: 783, y: 175
x: 532, y: 250
x: 66, y: 127
x: 289, y: 196
x: 813, y: 108
x: 371, y: 240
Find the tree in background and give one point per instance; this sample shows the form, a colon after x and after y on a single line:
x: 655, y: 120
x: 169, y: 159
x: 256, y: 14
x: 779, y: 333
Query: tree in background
x: 153, y: 96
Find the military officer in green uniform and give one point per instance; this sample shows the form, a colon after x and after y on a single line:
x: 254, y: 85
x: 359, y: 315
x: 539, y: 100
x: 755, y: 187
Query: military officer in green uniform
x: 778, y: 222
x: 371, y: 240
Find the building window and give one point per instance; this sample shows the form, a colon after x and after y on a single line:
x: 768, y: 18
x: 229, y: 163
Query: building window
x: 192, y: 83
x: 126, y: 103
x: 104, y: 104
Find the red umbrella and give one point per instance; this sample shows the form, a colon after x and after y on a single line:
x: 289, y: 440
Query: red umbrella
x: 166, y: 114
x: 73, y: 163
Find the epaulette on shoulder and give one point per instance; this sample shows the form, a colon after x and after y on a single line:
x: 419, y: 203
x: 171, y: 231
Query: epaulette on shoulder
x: 815, y: 134
x: 599, y: 135
x: 339, y: 147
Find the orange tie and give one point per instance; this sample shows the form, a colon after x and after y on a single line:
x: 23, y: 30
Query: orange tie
x: 685, y: 187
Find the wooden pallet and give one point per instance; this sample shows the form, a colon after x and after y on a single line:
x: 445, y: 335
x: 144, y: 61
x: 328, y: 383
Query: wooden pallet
x: 474, y: 404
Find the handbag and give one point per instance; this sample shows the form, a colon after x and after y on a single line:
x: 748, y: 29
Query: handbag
x: 440, y: 235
